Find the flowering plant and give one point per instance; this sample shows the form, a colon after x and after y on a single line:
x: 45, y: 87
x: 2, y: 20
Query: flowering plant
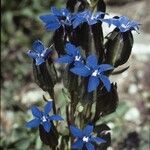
x: 86, y: 62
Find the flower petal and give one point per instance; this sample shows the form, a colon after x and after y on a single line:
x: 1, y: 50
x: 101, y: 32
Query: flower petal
x: 38, y: 46
x: 97, y: 140
x: 79, y: 63
x: 53, y: 26
x: 89, y: 146
x: 93, y: 83
x: 56, y: 11
x: 36, y: 112
x: 56, y: 117
x: 48, y: 19
x: 78, y: 144
x: 105, y: 67
x: 82, y: 71
x: 32, y: 54
x: 91, y: 61
x: 88, y: 130
x: 78, y: 21
x: 79, y: 18
x: 116, y: 22
x: 33, y: 123
x: 91, y: 21
x: 65, y: 12
x: 51, y: 22
x: 76, y: 132
x: 71, y: 49
x: 106, y: 82
x: 39, y: 60
x: 65, y: 59
x: 124, y: 19
x: 48, y: 107
x: 47, y: 126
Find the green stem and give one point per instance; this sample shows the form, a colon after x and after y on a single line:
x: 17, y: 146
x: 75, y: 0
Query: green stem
x: 51, y: 94
x: 93, y: 5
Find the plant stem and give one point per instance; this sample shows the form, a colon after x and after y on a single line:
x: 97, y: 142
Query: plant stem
x: 51, y: 93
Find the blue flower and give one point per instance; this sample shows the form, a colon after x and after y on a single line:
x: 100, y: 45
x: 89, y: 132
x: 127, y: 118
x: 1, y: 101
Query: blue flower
x: 85, y: 138
x: 79, y: 18
x: 56, y: 19
x: 73, y: 55
x: 123, y: 23
x: 86, y: 16
x: 43, y: 118
x: 93, y: 18
x: 95, y: 71
x: 39, y: 52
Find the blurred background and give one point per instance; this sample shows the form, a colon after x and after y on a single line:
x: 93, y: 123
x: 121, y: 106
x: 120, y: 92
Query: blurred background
x: 21, y: 26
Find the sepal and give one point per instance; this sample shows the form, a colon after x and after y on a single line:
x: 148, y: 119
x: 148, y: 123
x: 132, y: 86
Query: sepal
x: 118, y: 47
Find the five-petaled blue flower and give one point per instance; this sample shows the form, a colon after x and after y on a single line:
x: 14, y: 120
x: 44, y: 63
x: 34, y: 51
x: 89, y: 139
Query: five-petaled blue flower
x: 73, y: 55
x: 43, y: 118
x: 85, y: 138
x: 123, y: 23
x: 86, y: 16
x: 39, y: 53
x: 95, y: 71
x: 56, y: 19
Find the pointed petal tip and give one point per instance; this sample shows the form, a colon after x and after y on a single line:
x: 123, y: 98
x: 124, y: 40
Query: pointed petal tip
x: 48, y: 107
x: 75, y: 131
x: 56, y: 118
x: 33, y: 123
x: 93, y: 83
x: 88, y: 130
x: 36, y: 112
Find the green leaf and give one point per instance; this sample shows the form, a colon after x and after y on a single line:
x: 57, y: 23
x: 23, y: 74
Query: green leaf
x: 38, y: 143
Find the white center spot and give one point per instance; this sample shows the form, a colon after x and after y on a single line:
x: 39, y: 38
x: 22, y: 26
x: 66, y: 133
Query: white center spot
x: 44, y: 119
x: 95, y: 73
x: 63, y: 13
x: 67, y: 18
x: 92, y: 17
x: 85, y: 139
x: 77, y: 58
x: 42, y: 55
x: 124, y: 26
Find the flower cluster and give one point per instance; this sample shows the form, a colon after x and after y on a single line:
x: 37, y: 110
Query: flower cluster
x: 83, y: 138
x: 91, y: 69
x: 93, y: 74
x: 63, y: 17
x: 87, y: 16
